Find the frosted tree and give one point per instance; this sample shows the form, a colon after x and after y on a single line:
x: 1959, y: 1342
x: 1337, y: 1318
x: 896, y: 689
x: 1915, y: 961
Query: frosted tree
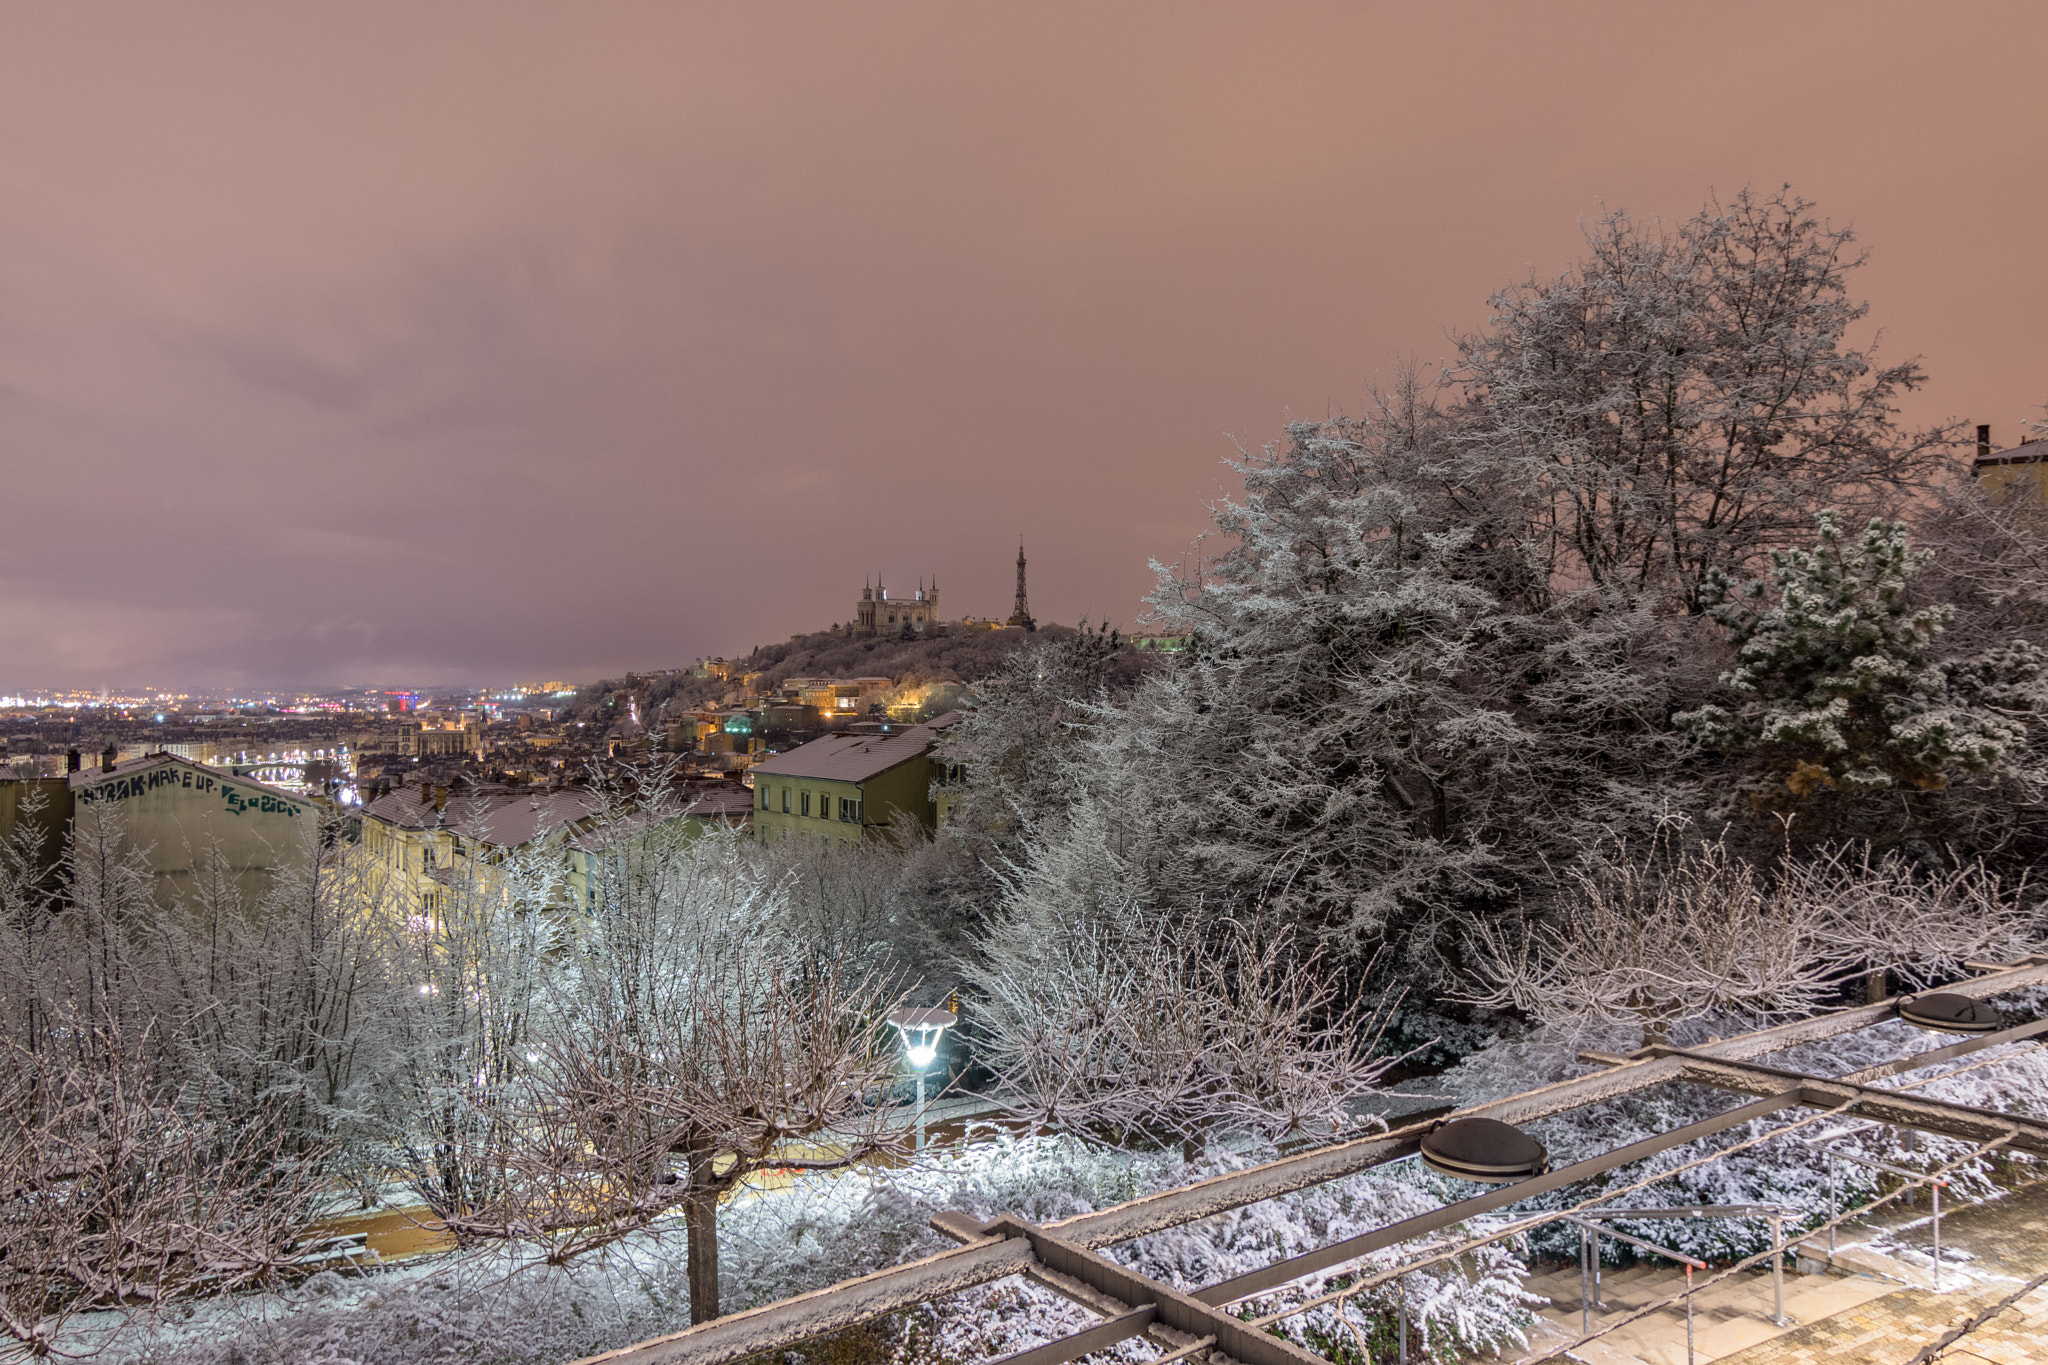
x: 1386, y: 700
x: 125, y: 1180
x: 32, y: 948
x: 278, y: 1003
x: 1658, y: 936
x: 751, y: 1060
x: 1020, y: 721
x: 119, y: 1192
x: 577, y: 1074
x: 1131, y: 1028
x: 1842, y: 686
x: 1683, y: 400
x: 1677, y: 929
x: 463, y: 975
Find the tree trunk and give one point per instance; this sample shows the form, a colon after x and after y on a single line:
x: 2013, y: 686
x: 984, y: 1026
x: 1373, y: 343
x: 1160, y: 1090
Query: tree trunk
x: 700, y: 1217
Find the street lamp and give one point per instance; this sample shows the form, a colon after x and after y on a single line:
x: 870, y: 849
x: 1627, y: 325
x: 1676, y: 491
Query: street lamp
x: 921, y: 1029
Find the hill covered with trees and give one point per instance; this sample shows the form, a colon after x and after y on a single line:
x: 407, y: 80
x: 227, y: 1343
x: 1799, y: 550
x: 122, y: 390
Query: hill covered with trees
x: 942, y: 665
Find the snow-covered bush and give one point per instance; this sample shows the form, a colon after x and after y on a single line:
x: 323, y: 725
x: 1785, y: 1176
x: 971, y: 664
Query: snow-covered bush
x: 482, y: 1307
x: 1682, y: 928
x: 1786, y: 1170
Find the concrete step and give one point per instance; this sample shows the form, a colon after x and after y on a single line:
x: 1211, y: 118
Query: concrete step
x: 1855, y: 1258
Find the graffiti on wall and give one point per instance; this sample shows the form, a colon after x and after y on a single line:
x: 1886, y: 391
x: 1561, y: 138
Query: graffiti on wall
x: 237, y: 800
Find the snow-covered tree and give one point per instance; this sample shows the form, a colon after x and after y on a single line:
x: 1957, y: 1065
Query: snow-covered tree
x: 127, y: 1178
x: 1385, y: 717
x: 464, y: 975
x: 1683, y: 400
x: 602, y: 1069
x: 1842, y: 685
x: 119, y: 1192
x: 278, y: 1003
x: 1020, y: 722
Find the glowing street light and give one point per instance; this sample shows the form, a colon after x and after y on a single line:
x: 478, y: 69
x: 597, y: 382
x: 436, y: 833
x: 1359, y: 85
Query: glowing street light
x: 921, y: 1029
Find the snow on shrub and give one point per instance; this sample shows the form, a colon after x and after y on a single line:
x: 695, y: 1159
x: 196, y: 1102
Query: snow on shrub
x: 484, y: 1308
x: 1778, y: 1171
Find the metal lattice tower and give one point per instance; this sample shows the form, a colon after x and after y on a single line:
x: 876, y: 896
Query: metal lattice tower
x: 1021, y: 617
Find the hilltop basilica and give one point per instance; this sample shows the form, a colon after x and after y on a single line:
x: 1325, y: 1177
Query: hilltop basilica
x: 878, y: 613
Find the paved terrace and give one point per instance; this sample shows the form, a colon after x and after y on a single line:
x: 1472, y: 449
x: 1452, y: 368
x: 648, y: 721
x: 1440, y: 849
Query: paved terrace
x: 1874, y: 1306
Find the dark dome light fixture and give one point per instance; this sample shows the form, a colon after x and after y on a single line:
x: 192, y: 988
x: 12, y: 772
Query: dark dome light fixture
x: 1485, y: 1150
x: 1949, y: 1013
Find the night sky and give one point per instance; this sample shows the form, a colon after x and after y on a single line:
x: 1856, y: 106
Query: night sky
x: 442, y: 342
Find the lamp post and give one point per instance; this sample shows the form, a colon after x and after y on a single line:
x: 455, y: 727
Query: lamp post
x: 921, y: 1029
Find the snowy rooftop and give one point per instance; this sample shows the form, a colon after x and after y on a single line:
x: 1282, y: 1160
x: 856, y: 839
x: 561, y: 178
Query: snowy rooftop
x: 855, y: 758
x: 2030, y: 453
x: 507, y: 819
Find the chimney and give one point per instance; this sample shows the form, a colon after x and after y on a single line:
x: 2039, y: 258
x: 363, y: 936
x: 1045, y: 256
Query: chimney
x: 426, y: 793
x: 73, y: 760
x: 107, y: 756
x: 1983, y: 440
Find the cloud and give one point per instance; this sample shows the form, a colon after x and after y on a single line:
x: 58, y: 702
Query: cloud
x: 468, y: 340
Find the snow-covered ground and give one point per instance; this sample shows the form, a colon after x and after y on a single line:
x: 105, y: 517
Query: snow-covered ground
x: 487, y: 1307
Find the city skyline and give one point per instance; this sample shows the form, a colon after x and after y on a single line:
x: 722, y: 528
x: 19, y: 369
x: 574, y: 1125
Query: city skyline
x: 504, y: 340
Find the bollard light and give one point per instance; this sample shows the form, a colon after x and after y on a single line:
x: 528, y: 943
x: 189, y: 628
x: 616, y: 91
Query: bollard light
x: 1948, y: 1013
x: 1485, y: 1150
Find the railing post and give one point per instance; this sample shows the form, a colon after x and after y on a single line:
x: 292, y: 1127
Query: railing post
x: 1778, y: 1269
x: 1585, y: 1287
x: 1688, y: 1314
x: 1831, y: 1205
x: 1401, y: 1298
x: 1937, y: 1234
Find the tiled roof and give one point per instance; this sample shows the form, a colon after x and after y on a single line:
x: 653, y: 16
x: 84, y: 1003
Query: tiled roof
x: 505, y: 819
x: 849, y: 758
x: 703, y: 801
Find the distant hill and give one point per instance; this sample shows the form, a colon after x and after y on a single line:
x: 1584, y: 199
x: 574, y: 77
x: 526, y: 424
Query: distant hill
x: 916, y: 662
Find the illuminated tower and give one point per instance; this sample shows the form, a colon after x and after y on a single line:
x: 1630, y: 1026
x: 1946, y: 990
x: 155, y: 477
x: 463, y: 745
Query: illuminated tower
x: 1021, y: 617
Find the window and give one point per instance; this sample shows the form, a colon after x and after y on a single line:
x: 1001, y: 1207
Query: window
x: 849, y: 810
x: 785, y: 800
x: 764, y: 796
x: 824, y: 805
x: 804, y: 803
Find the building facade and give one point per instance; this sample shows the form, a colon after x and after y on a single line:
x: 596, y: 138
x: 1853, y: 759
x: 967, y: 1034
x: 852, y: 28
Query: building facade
x: 2021, y: 472
x: 845, y: 788
x: 877, y: 613
x: 179, y: 813
x: 430, y: 841
x: 453, y: 737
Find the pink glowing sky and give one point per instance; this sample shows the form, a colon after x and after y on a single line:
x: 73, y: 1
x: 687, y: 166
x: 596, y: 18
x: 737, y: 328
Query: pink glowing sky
x: 464, y: 341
